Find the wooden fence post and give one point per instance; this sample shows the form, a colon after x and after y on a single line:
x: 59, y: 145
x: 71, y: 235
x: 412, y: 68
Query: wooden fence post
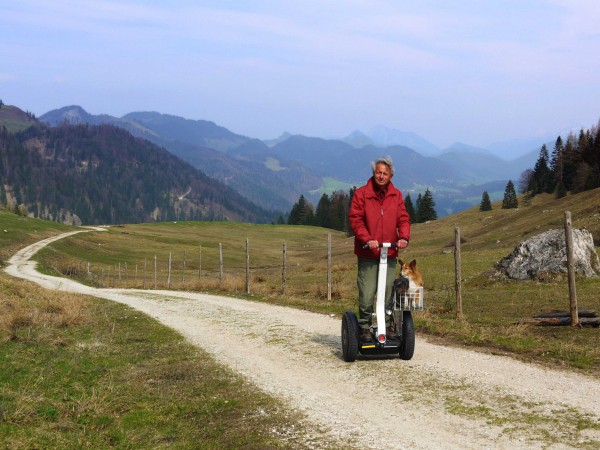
x: 221, y: 262
x: 284, y: 269
x: 571, y: 270
x: 169, y: 273
x: 155, y: 270
x: 457, y: 273
x: 329, y: 279
x: 183, y: 273
x: 247, y: 267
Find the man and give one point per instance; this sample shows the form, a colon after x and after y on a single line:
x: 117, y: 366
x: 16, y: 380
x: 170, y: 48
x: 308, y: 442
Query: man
x: 377, y: 214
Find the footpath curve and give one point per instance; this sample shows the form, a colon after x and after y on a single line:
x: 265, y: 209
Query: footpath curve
x: 444, y: 398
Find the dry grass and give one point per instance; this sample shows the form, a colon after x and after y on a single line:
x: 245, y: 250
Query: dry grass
x: 25, y: 308
x: 79, y: 372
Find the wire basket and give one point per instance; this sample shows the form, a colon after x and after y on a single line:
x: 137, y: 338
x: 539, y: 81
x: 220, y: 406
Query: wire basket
x: 411, y: 300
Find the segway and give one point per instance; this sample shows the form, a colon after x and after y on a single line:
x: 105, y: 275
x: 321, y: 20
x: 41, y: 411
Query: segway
x: 405, y: 300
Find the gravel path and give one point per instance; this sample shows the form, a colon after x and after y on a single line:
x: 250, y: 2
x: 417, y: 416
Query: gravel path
x: 444, y: 398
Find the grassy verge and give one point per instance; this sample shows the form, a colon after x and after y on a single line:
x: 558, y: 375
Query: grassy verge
x: 88, y: 373
x: 17, y: 231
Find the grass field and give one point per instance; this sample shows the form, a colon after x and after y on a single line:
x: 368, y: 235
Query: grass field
x: 83, y: 372
x: 122, y: 255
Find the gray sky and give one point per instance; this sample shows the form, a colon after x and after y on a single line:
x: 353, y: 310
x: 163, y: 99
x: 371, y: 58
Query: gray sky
x: 472, y: 71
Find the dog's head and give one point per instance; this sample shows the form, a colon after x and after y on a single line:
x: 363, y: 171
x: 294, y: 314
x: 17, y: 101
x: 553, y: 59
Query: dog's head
x: 401, y: 284
x: 407, y: 269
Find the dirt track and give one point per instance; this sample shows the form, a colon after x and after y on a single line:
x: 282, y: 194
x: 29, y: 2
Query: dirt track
x: 444, y: 398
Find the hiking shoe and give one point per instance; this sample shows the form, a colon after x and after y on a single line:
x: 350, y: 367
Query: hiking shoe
x: 365, y: 335
x: 391, y: 333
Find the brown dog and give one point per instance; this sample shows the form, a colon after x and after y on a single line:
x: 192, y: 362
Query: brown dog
x: 415, y: 279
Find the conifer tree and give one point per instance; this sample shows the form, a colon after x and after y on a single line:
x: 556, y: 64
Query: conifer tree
x: 486, y: 204
x: 338, y: 211
x: 301, y: 213
x: 426, y: 208
x: 510, y: 196
x: 410, y: 208
x: 542, y: 179
x: 556, y: 161
x: 322, y: 213
x: 418, y: 208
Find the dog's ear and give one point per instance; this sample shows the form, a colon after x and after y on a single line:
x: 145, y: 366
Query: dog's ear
x: 413, y: 264
x: 400, y: 262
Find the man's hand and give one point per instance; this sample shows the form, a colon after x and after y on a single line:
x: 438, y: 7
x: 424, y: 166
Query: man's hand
x: 402, y: 243
x: 373, y: 244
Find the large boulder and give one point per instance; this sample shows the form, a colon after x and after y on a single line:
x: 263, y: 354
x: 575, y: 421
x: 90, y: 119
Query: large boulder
x: 546, y: 253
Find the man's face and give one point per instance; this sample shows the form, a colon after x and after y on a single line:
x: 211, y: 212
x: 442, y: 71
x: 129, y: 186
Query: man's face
x: 382, y: 175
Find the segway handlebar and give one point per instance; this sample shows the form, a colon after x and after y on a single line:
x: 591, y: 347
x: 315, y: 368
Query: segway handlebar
x: 383, y: 244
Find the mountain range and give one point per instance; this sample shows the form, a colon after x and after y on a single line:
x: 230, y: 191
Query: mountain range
x: 102, y: 174
x: 273, y: 174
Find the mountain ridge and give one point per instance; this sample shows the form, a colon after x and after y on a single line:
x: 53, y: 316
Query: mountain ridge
x: 275, y: 173
x: 101, y: 174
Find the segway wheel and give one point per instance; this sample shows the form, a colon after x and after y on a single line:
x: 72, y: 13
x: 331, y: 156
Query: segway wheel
x: 349, y: 336
x: 407, y: 346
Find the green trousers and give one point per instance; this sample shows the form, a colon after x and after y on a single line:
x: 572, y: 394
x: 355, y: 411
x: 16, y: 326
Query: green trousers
x: 368, y: 270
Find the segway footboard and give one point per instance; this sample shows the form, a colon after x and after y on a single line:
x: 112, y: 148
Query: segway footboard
x: 391, y: 347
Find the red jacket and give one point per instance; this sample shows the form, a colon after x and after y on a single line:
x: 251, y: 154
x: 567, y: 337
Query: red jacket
x: 370, y: 218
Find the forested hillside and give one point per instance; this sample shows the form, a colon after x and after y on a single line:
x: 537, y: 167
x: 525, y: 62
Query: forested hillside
x: 573, y: 166
x: 242, y: 163
x: 103, y: 175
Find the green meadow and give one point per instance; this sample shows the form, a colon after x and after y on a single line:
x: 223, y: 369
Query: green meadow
x: 85, y: 372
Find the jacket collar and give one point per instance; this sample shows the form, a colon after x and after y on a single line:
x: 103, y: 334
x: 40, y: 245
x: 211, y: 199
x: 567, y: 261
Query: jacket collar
x: 372, y: 192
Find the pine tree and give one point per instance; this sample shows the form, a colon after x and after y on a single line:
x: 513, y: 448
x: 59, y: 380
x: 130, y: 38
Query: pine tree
x: 301, y: 213
x: 510, y: 196
x: 542, y: 179
x: 557, y: 160
x: 338, y: 211
x: 426, y: 208
x: 486, y: 204
x: 570, y: 160
x: 410, y: 209
x: 322, y: 214
x: 418, y: 208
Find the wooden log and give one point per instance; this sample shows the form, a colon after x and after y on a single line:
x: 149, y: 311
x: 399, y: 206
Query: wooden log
x: 557, y: 313
x: 590, y: 322
x: 546, y: 321
x: 560, y: 321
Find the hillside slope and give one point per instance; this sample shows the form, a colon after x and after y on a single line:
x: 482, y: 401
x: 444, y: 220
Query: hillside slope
x: 242, y: 163
x: 14, y: 119
x: 104, y: 175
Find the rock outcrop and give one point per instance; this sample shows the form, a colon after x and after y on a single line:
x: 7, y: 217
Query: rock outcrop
x: 546, y: 254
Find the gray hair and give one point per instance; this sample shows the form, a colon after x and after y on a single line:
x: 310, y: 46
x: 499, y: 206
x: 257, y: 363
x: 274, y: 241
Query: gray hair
x: 387, y: 160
